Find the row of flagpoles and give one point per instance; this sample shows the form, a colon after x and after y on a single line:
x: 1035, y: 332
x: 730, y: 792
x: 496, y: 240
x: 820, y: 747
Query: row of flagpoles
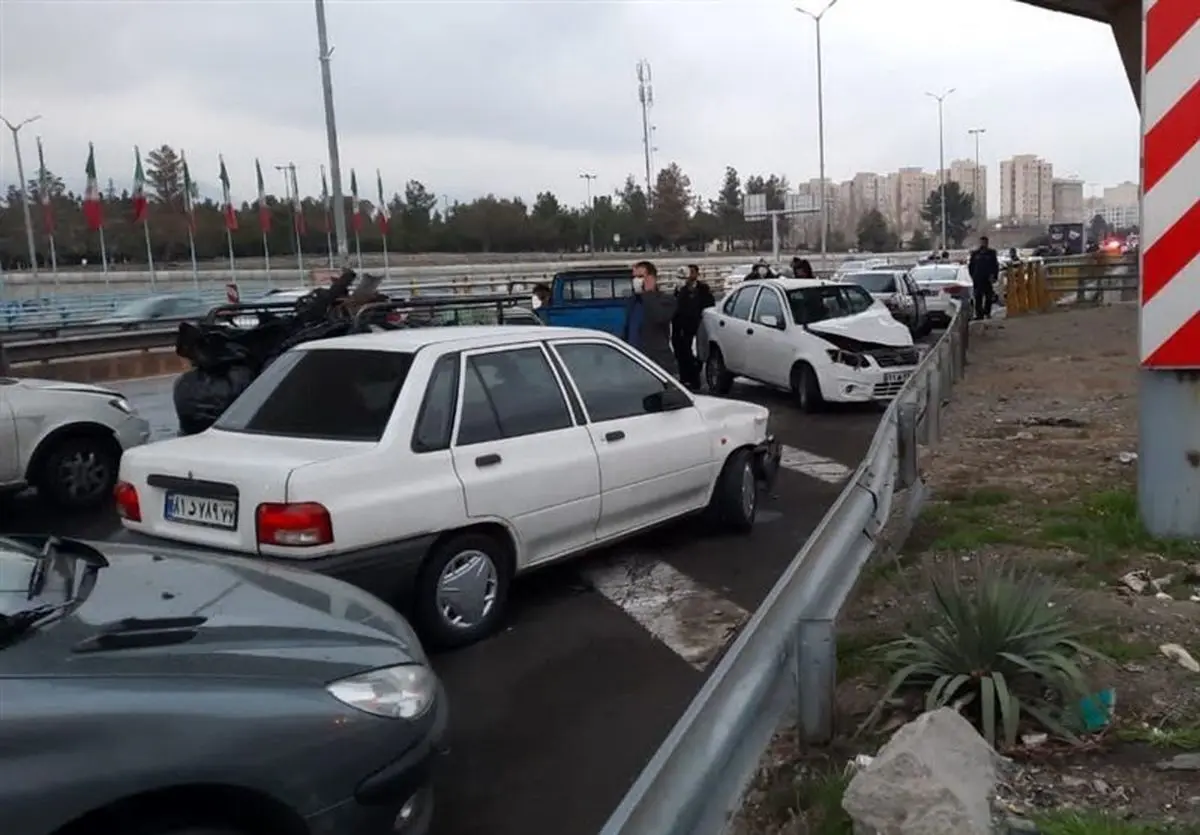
x: 93, y: 210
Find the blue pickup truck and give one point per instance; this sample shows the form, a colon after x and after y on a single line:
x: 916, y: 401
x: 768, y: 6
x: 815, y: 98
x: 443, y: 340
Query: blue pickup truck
x: 589, y: 297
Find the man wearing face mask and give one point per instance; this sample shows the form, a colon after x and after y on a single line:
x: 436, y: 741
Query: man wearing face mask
x: 648, y: 315
x: 761, y: 270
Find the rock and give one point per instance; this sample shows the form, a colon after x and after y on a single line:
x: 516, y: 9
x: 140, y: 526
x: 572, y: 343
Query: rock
x: 1136, y: 581
x: 1181, y: 656
x: 1063, y: 422
x: 935, y: 776
x: 1193, y: 573
x: 1181, y: 762
x: 1018, y: 826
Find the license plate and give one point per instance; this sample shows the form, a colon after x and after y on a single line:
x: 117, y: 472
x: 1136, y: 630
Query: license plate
x: 895, y: 376
x: 194, y: 510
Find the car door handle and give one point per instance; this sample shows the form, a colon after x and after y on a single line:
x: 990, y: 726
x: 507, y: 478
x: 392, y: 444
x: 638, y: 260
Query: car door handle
x: 721, y: 324
x: 489, y: 460
x: 617, y: 435
x: 749, y: 331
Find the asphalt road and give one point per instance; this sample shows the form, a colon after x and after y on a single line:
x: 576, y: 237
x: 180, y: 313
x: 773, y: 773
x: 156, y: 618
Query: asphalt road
x: 553, y: 718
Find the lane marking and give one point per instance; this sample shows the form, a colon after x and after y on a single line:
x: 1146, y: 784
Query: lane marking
x: 814, y: 466
x: 693, y: 621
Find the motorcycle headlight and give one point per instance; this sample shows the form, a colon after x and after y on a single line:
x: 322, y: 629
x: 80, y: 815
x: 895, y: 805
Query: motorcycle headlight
x: 404, y: 692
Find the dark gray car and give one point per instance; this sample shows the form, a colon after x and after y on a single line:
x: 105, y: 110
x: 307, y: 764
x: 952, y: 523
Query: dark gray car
x: 159, y: 692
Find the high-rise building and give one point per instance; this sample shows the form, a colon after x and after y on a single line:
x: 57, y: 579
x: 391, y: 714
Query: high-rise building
x: 1067, y: 197
x: 1026, y: 190
x: 972, y: 181
x: 1121, y: 206
x: 913, y: 187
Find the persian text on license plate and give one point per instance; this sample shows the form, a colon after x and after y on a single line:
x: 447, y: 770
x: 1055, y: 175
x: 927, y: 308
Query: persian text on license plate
x: 895, y: 377
x: 194, y: 510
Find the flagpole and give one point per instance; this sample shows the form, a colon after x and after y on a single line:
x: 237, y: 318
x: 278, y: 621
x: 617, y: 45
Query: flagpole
x: 329, y: 241
x: 232, y: 261
x: 53, y: 260
x: 267, y: 258
x: 104, y: 258
x: 195, y: 266
x: 358, y: 249
x: 385, y: 256
x: 149, y: 252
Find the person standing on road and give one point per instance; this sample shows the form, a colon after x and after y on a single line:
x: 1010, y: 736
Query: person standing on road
x: 801, y: 268
x: 691, y: 298
x: 984, y: 269
x: 648, y: 315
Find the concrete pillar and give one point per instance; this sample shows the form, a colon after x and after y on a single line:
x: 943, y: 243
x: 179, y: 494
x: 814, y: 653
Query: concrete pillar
x: 1125, y: 18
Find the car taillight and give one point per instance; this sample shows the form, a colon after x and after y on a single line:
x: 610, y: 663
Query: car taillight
x: 954, y: 290
x: 126, y: 497
x: 293, y: 525
x: 395, y: 317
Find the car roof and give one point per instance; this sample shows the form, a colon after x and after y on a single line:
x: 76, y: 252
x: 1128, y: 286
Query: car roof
x: 791, y: 283
x: 451, y: 338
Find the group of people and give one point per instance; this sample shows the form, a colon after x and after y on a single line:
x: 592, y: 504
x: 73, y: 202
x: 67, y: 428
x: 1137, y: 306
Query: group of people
x: 800, y: 269
x: 664, y: 326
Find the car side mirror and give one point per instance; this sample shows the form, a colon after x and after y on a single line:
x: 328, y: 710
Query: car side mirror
x: 668, y: 400
x: 771, y: 321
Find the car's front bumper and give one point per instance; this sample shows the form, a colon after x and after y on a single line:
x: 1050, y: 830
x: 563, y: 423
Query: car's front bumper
x: 767, y: 455
x: 840, y: 384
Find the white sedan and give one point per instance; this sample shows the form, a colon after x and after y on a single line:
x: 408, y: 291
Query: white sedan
x: 824, y: 341
x: 432, y: 465
x: 945, y: 287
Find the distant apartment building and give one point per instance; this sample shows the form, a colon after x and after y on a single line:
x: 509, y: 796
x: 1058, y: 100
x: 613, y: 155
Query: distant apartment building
x: 972, y: 180
x: 1026, y: 190
x: 1067, y: 199
x: 1121, y: 206
x: 913, y: 186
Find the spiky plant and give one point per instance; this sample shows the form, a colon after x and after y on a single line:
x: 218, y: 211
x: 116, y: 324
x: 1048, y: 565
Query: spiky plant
x: 995, y: 644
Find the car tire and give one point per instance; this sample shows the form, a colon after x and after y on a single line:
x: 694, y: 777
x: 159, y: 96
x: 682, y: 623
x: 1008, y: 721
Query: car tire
x: 924, y: 329
x: 807, y: 388
x: 434, y: 614
x: 78, y: 472
x: 716, y: 375
x: 734, y: 502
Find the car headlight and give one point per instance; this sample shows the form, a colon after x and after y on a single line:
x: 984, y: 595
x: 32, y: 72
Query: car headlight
x: 404, y: 692
x: 121, y: 404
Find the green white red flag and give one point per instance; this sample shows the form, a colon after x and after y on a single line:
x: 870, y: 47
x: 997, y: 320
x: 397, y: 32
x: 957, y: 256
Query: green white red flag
x: 189, y: 194
x: 356, y: 217
x: 382, y: 215
x: 140, y: 204
x: 264, y: 211
x: 93, y: 209
x: 44, y: 191
x: 227, y: 209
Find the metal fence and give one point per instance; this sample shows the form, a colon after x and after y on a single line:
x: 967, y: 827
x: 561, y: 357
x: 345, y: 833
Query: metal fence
x: 1095, y: 278
x: 785, y: 659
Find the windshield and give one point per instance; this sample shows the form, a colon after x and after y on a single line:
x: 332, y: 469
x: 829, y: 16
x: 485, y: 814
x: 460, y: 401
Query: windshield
x: 831, y: 301
x: 329, y: 394
x: 873, y: 282
x: 925, y: 274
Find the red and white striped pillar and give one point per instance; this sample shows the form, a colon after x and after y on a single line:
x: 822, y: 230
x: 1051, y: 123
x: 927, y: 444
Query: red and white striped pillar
x: 1169, y: 333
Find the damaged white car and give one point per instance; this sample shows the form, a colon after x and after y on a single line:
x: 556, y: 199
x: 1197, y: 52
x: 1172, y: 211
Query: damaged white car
x: 823, y: 341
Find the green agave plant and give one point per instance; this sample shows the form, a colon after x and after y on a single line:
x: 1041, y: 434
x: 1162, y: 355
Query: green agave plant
x: 996, y: 644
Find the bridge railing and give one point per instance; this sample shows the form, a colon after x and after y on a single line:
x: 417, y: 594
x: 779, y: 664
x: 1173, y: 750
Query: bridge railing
x: 783, y: 664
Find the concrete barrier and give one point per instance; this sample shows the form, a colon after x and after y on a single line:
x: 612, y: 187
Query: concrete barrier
x: 105, y: 368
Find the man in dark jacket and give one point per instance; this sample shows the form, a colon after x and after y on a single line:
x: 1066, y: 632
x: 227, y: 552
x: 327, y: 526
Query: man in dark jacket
x: 984, y: 269
x: 691, y: 298
x: 648, y: 315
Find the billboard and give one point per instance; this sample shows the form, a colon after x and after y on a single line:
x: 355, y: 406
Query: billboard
x: 801, y: 204
x: 1067, y: 238
x: 754, y: 206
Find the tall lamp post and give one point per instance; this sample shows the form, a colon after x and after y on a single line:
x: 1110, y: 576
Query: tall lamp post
x: 941, y: 100
x: 16, y: 135
x: 816, y: 17
x: 335, y: 164
x: 591, y: 212
x: 978, y: 132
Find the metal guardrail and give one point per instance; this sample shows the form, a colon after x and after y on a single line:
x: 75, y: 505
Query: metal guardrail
x: 786, y: 656
x: 1088, y: 279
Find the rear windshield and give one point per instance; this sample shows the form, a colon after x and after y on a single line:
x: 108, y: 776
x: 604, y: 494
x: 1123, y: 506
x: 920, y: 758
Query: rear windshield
x: 873, y: 282
x: 921, y: 274
x: 832, y: 301
x: 325, y: 394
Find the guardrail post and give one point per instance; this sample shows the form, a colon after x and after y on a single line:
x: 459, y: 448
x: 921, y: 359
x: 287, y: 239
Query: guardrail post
x: 906, y: 435
x: 816, y: 676
x: 933, y: 407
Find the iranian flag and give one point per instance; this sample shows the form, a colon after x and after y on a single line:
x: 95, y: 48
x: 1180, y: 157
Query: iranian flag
x: 227, y: 208
x: 326, y: 202
x: 264, y: 211
x: 189, y: 194
x: 44, y: 191
x: 355, y: 207
x: 382, y: 215
x: 139, y: 188
x: 93, y: 209
x: 297, y: 205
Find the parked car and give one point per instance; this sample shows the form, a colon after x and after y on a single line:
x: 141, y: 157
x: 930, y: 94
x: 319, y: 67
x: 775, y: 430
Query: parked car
x: 435, y: 464
x: 65, y: 439
x: 945, y: 287
x: 164, y: 692
x: 154, y: 309
x: 899, y: 294
x: 589, y: 297
x: 823, y: 341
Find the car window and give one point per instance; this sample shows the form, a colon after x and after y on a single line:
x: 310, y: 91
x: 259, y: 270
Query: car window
x: 856, y: 299
x: 769, y: 305
x: 577, y: 289
x: 873, y: 282
x: 744, y: 302
x: 831, y: 301
x: 508, y: 394
x: 727, y: 307
x: 435, y: 421
x: 612, y: 384
x: 358, y: 389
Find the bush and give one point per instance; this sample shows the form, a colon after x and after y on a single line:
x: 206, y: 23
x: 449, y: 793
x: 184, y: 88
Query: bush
x: 996, y: 643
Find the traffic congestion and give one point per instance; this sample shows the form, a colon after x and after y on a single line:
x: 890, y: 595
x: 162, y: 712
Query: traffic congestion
x: 373, y: 549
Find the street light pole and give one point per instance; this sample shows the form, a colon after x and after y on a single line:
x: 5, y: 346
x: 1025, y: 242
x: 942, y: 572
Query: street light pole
x: 16, y: 131
x: 978, y: 132
x: 941, y: 100
x: 816, y: 17
x: 335, y: 165
x: 591, y: 212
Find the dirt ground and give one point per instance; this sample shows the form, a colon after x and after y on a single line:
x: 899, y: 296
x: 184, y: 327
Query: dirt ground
x: 1037, y: 465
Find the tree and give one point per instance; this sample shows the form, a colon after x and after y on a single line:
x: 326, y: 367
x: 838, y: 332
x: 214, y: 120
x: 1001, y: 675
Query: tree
x: 960, y: 209
x: 54, y: 184
x: 637, y: 213
x: 672, y: 203
x: 874, y: 234
x: 727, y: 209
x: 920, y: 241
x: 164, y: 174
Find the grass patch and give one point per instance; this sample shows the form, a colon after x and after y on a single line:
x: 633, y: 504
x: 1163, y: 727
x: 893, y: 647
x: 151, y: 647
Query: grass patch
x: 856, y: 653
x: 1117, y: 649
x: 809, y: 797
x: 1093, y: 823
x: 1185, y: 738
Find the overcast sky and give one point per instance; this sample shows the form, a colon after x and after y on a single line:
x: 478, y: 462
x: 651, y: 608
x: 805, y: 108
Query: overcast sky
x: 514, y: 98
